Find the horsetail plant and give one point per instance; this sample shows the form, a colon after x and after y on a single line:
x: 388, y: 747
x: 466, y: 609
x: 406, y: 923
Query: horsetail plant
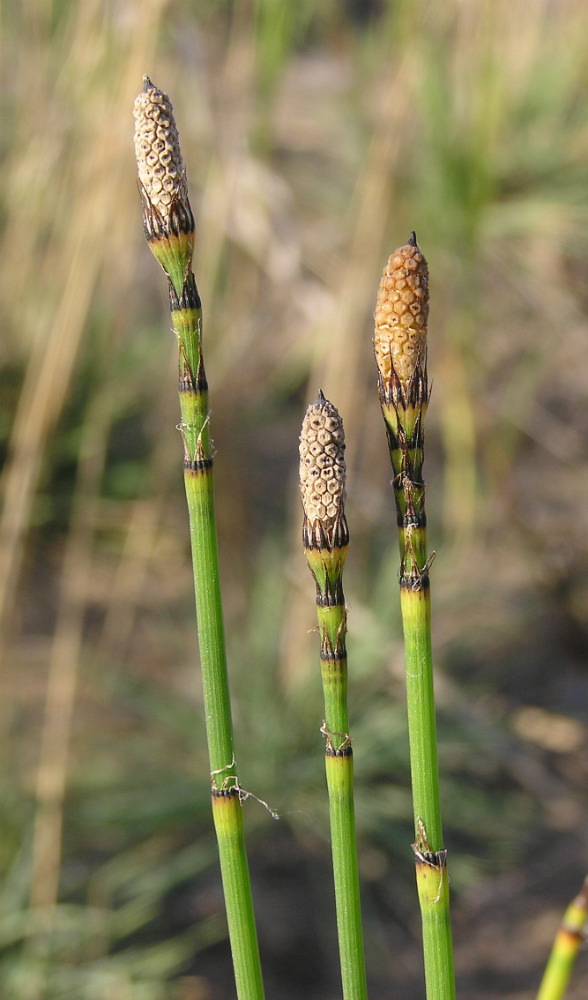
x: 169, y: 229
x: 400, y: 346
x: 325, y: 538
x: 568, y: 939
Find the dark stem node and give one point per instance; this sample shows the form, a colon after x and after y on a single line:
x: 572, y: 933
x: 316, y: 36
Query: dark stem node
x: 320, y: 535
x: 224, y: 793
x: 197, y: 465
x: 331, y: 595
x: 189, y: 299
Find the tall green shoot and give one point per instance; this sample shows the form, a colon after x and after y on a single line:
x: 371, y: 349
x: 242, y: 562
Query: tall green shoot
x: 400, y: 345
x: 325, y: 538
x: 169, y: 229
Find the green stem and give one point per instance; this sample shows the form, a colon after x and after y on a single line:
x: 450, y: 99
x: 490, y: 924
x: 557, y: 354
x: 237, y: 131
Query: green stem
x: 228, y: 822
x: 430, y: 858
x: 332, y: 626
x: 400, y: 347
x: 169, y: 228
x: 404, y: 426
x: 332, y: 620
x: 565, y: 948
x: 217, y: 709
x: 326, y: 538
x: 416, y: 622
x: 226, y: 805
x: 339, y: 771
x: 186, y: 315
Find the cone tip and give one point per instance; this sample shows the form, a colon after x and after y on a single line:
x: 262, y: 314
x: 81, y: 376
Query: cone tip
x: 412, y: 240
x: 147, y: 85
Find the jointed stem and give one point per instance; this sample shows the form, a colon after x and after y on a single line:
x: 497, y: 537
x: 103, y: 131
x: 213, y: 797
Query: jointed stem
x: 226, y: 804
x: 199, y: 493
x: 169, y: 228
x: 416, y: 621
x: 339, y: 773
x: 430, y: 857
x: 568, y: 939
x: 400, y: 348
x: 325, y: 538
x: 228, y: 822
x: 193, y: 391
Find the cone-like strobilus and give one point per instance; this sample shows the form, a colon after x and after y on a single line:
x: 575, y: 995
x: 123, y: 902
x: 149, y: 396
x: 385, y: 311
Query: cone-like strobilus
x: 400, y: 346
x: 169, y: 227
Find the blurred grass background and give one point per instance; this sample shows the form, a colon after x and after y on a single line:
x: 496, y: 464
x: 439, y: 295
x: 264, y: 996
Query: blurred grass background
x: 316, y: 136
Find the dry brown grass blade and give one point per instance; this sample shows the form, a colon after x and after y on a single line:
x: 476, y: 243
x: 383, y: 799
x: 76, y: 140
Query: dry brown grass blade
x: 63, y: 667
x: 49, y: 372
x: 139, y: 544
x: 92, y: 199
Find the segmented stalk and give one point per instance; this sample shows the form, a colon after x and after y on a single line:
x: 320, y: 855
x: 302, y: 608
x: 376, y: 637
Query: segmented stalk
x: 169, y: 229
x: 568, y: 939
x: 325, y: 539
x: 400, y: 346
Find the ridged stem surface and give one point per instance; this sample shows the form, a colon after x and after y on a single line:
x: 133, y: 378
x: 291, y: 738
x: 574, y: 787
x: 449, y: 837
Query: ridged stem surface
x: 339, y: 774
x: 430, y: 857
x: 339, y: 771
x: 169, y: 228
x: 400, y: 345
x: 325, y: 539
x: 416, y: 623
x: 228, y: 822
x: 568, y: 939
x: 226, y: 804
